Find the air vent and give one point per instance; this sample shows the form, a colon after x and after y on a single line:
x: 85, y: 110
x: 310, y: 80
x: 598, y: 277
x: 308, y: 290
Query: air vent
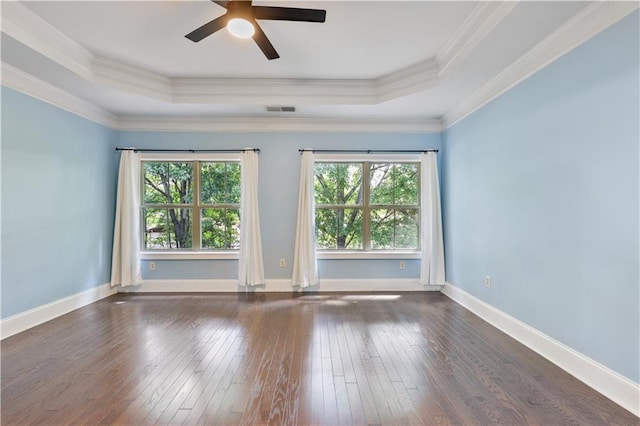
x: 280, y: 108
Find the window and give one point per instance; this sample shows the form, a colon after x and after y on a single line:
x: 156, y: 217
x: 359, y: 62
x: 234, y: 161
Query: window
x: 190, y: 205
x: 367, y: 205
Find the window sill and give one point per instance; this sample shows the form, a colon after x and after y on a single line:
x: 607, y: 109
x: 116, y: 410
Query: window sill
x: 186, y: 255
x: 369, y: 254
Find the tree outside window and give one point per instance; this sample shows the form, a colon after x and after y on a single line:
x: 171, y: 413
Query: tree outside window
x: 191, y: 205
x: 367, y: 205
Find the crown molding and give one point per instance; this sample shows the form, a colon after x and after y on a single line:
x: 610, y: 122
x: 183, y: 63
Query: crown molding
x: 421, y: 76
x: 589, y: 22
x: 29, y: 85
x: 127, y: 78
x: 482, y: 20
x: 418, y: 77
x: 28, y: 28
x: 273, y: 91
x: 412, y: 79
x: 22, y: 82
x: 31, y: 30
x: 278, y: 124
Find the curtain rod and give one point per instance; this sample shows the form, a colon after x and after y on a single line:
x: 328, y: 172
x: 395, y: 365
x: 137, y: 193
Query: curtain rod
x: 369, y: 151
x: 188, y: 150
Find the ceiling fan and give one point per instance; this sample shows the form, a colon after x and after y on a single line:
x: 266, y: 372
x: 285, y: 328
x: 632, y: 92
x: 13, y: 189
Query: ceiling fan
x: 240, y: 20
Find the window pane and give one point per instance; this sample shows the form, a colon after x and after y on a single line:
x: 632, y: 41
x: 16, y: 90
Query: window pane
x: 220, y: 229
x: 394, y: 184
x: 406, y: 226
x: 156, y: 181
x: 339, y: 228
x: 406, y: 179
x: 167, y: 228
x: 155, y: 228
x: 168, y: 182
x: 381, y: 184
x: 382, y: 229
x: 220, y: 183
x: 338, y: 183
x: 394, y: 229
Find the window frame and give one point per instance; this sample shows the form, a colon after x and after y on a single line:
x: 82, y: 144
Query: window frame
x: 366, y: 252
x: 195, y: 252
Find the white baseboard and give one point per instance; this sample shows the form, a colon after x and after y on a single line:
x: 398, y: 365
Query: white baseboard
x: 611, y: 384
x: 278, y: 285
x: 203, y: 286
x: 27, y: 319
x: 183, y: 286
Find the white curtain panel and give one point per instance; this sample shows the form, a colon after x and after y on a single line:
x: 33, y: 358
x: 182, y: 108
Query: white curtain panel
x: 305, y: 261
x: 432, y: 265
x: 250, y: 263
x: 125, y: 261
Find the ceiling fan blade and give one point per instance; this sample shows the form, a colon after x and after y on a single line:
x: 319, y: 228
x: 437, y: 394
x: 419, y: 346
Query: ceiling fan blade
x: 289, y: 14
x: 209, y: 28
x: 263, y: 42
x: 222, y: 3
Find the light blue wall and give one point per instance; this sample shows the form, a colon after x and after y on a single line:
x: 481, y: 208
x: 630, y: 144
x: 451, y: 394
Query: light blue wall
x: 58, y: 186
x: 541, y: 192
x: 279, y: 175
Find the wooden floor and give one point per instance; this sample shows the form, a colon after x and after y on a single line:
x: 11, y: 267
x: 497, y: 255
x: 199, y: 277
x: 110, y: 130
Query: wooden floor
x: 405, y: 358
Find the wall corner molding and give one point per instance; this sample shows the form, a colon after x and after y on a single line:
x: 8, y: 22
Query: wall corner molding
x: 110, y: 73
x: 480, y: 22
x: 29, y: 85
x: 30, y: 29
x: 412, y: 79
x: 41, y: 314
x: 611, y: 384
x: 593, y: 19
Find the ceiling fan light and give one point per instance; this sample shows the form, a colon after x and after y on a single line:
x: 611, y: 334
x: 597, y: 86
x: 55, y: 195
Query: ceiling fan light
x: 241, y: 28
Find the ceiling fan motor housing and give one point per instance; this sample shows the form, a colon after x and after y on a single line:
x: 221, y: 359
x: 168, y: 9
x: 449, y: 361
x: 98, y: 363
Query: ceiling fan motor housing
x: 242, y: 9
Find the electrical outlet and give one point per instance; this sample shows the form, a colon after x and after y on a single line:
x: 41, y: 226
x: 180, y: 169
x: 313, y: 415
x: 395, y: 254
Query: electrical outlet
x: 282, y: 263
x: 487, y: 281
x: 152, y: 266
x: 402, y: 264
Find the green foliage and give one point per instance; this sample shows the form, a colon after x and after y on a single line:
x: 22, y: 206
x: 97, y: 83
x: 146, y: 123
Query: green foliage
x: 220, y: 229
x: 220, y: 183
x: 161, y: 231
x: 394, y: 229
x: 168, y: 183
x: 394, y: 184
x: 338, y: 184
x: 339, y: 228
x: 393, y: 201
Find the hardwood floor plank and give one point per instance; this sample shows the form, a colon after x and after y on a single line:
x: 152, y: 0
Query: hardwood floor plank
x: 358, y: 416
x: 366, y: 394
x: 285, y: 359
x: 330, y: 405
x: 345, y: 357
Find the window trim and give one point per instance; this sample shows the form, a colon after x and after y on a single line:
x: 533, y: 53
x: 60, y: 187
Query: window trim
x: 329, y: 254
x: 191, y: 254
x: 370, y: 253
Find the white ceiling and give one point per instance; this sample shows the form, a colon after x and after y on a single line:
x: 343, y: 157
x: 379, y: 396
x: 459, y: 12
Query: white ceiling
x: 370, y: 59
x: 150, y: 35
